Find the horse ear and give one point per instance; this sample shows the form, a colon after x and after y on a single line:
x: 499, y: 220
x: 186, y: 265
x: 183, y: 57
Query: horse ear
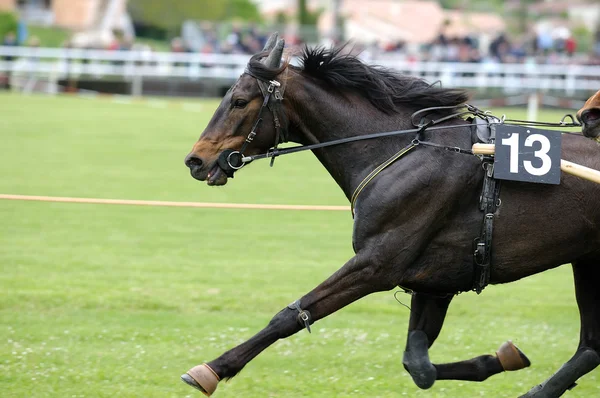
x: 271, y: 42
x: 274, y: 58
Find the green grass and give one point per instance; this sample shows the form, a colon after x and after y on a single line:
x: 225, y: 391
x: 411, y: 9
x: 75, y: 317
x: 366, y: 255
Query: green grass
x: 49, y: 36
x: 104, y: 301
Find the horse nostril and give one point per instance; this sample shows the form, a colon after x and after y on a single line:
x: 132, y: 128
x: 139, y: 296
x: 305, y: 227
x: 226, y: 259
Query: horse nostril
x: 192, y: 160
x: 583, y: 116
x: 589, y: 115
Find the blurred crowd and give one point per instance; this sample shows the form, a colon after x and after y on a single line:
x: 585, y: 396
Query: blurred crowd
x: 541, y: 48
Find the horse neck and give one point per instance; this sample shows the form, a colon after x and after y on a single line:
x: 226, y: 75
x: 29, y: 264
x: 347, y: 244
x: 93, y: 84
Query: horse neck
x: 319, y: 115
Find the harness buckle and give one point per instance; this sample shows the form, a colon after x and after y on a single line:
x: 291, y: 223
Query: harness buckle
x: 303, y: 315
x: 272, y: 85
x: 251, y: 136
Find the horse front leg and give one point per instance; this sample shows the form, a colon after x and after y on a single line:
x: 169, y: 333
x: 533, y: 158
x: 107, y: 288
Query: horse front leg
x: 354, y: 280
x: 427, y: 315
x: 587, y: 356
x: 426, y: 320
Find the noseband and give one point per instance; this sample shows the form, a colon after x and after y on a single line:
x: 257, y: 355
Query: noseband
x: 231, y: 160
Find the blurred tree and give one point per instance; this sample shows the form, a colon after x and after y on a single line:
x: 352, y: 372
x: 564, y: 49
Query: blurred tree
x: 522, y: 15
x: 308, y: 22
x: 306, y: 17
x: 242, y: 9
x: 473, y: 5
x: 168, y: 15
x: 8, y: 23
x: 583, y: 37
x: 281, y: 18
x: 303, y: 18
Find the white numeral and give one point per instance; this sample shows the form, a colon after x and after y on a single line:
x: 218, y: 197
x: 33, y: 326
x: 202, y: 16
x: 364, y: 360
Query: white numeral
x: 542, y: 153
x: 513, y: 143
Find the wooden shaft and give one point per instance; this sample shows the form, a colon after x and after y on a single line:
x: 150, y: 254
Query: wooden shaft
x: 580, y: 171
x: 484, y: 149
x: 566, y: 166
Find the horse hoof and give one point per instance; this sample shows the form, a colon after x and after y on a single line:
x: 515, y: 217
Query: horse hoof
x: 202, y: 378
x: 424, y: 376
x: 511, y: 358
x: 416, y: 360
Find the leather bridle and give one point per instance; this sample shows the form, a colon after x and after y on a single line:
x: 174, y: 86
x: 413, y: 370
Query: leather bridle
x: 231, y: 160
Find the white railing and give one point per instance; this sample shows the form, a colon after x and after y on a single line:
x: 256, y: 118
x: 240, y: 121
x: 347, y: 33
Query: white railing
x: 58, y: 63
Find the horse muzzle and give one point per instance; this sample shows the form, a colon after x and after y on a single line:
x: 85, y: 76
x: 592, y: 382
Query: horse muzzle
x: 590, y: 119
x: 213, y: 175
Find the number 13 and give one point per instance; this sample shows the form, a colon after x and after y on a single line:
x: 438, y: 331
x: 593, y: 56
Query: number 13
x: 542, y: 153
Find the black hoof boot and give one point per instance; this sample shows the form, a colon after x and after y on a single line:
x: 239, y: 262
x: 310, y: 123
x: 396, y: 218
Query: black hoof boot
x: 416, y: 360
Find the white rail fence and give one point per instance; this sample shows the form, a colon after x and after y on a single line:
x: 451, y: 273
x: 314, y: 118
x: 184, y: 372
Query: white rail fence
x: 26, y: 64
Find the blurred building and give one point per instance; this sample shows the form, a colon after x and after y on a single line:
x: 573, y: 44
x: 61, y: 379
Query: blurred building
x: 77, y: 15
x: 391, y: 21
x: 95, y: 20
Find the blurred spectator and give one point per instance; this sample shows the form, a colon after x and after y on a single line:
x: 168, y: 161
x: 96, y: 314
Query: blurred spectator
x: 499, y: 48
x: 234, y: 40
x: 34, y: 41
x: 177, y: 45
x: 570, y: 46
x: 544, y: 43
x: 10, y: 40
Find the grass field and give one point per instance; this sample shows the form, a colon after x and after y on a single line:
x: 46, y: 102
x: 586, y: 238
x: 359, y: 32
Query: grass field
x: 117, y: 301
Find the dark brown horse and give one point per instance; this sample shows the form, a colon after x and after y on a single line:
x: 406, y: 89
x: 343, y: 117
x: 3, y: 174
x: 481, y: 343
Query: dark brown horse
x: 589, y: 116
x: 416, y: 220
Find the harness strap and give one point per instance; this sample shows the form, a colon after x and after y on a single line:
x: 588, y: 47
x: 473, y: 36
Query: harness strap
x: 562, y: 123
x: 252, y: 133
x: 375, y: 172
x: 274, y: 91
x: 230, y: 160
x: 456, y: 149
x: 489, y: 201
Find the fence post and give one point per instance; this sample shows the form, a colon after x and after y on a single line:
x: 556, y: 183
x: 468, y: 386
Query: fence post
x: 532, y: 106
x: 136, y: 85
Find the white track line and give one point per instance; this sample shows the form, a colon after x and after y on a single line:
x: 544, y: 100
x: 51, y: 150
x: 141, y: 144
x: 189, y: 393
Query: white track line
x: 172, y: 204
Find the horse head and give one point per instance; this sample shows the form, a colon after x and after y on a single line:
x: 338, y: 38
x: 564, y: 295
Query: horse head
x: 589, y: 116
x: 248, y: 120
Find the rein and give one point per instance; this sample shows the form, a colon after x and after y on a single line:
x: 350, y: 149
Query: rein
x: 299, y: 148
x: 429, y: 126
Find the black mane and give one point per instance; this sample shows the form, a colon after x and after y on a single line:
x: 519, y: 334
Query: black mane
x: 382, y: 87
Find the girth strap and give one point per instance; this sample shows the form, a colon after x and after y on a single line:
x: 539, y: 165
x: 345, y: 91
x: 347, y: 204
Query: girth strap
x: 489, y: 201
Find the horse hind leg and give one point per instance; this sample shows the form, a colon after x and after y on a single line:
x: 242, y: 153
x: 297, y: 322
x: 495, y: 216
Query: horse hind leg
x: 426, y: 320
x: 507, y: 358
x: 587, y: 356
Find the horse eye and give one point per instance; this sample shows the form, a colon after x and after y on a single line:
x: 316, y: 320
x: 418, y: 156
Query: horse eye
x: 240, y: 103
